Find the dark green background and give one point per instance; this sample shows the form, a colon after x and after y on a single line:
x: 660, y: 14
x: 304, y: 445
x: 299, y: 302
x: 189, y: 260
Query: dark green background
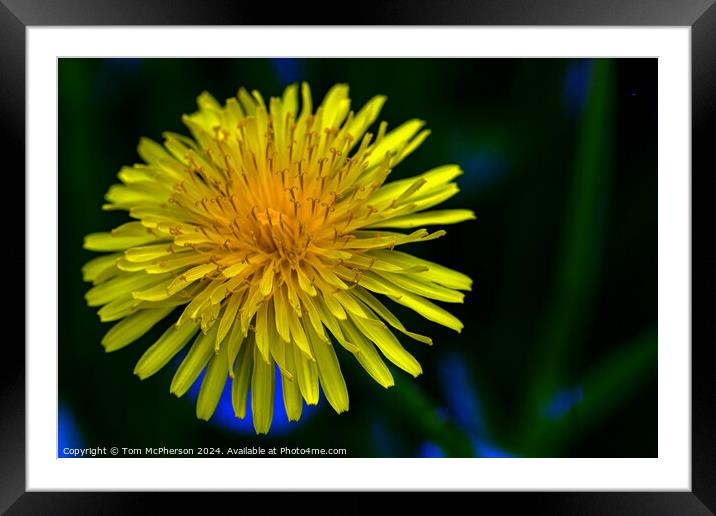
x: 558, y: 354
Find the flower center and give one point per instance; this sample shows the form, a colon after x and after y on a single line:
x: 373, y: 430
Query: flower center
x: 280, y: 235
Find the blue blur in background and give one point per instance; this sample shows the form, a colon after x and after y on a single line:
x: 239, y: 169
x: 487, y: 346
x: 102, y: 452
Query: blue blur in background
x: 68, y: 433
x: 225, y: 418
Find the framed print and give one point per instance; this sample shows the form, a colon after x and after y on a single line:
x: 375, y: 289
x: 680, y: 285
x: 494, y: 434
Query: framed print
x: 418, y: 258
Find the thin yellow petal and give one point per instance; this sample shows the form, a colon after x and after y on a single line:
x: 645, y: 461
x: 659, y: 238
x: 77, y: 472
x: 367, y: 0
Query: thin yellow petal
x: 233, y: 345
x: 266, y: 283
x: 151, y: 152
x: 194, y: 362
x: 120, y: 307
x: 379, y: 308
x: 145, y: 253
x: 423, y: 288
x: 289, y: 101
x: 329, y: 372
x: 228, y: 318
x: 265, y: 328
x: 201, y: 299
x: 334, y: 307
x: 395, y: 140
x: 100, y: 268
x: 281, y: 315
x: 306, y: 101
x: 120, y: 285
x: 298, y: 335
x: 427, y: 218
x: 247, y: 103
x: 335, y: 105
x: 388, y: 344
x: 434, y: 271
x: 177, y: 261
x: 292, y: 399
x: 211, y: 387
x: 127, y: 235
x: 368, y: 357
x: 421, y: 305
x: 262, y: 393
x: 434, y: 180
x: 164, y: 349
x: 333, y: 325
x: 133, y: 327
x: 242, y: 378
x: 366, y: 116
x: 307, y: 376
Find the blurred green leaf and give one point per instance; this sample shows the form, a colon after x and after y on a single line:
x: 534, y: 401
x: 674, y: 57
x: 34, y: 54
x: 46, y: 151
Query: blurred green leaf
x: 606, y: 387
x: 579, y: 263
x: 414, y: 408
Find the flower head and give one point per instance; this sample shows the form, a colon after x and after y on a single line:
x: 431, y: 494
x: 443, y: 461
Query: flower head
x: 273, y: 230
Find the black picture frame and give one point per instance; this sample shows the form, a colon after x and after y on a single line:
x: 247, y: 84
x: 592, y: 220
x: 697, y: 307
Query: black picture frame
x: 700, y: 15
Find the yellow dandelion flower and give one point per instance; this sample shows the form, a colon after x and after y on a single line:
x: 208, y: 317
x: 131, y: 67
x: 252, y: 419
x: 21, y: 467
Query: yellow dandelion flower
x: 275, y: 231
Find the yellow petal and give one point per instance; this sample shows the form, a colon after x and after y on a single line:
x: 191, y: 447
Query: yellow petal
x: 133, y: 327
x: 298, y: 334
x: 200, y: 300
x: 151, y: 152
x: 147, y: 253
x: 435, y: 180
x: 247, y: 103
x: 307, y: 376
x: 369, y: 239
x: 289, y: 101
x: 423, y: 288
x: 335, y: 105
x: 367, y: 356
x: 425, y: 219
x: 194, y: 362
x: 388, y: 344
x: 281, y: 315
x: 121, y: 307
x: 430, y: 198
x: 242, y: 378
x: 421, y: 305
x: 158, y: 292
x: 329, y: 372
x: 349, y: 303
x: 333, y: 325
x: 304, y: 282
x: 178, y: 261
x: 292, y: 399
x: 314, y: 316
x: 162, y: 351
x: 228, y: 318
x: 434, y: 271
x: 306, y: 101
x: 266, y: 284
x: 411, y: 146
x: 262, y: 393
x: 234, y: 343
x: 198, y: 272
x: 254, y: 299
x: 365, y: 117
x: 394, y: 141
x: 100, y: 268
x: 333, y: 305
x: 211, y: 387
x: 265, y: 327
x: 128, y: 235
x: 379, y: 308
x: 123, y: 196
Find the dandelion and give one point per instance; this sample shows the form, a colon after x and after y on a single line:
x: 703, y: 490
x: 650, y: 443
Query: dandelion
x: 276, y: 233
